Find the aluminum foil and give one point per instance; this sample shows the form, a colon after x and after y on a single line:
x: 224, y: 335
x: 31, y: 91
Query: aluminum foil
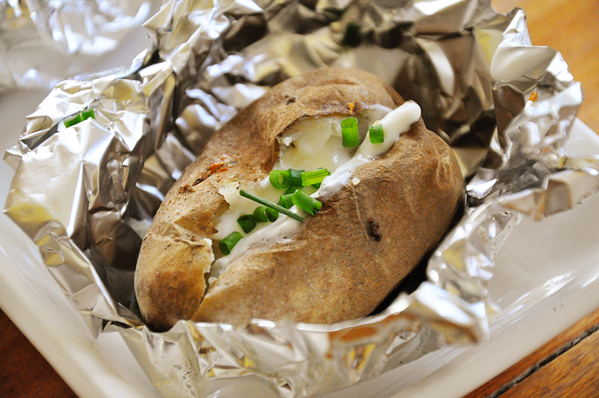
x: 32, y: 31
x: 86, y: 194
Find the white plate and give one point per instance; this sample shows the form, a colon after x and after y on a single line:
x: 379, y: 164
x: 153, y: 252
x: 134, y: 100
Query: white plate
x: 553, y: 264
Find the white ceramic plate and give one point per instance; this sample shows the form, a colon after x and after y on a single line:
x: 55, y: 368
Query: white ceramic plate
x: 545, y: 280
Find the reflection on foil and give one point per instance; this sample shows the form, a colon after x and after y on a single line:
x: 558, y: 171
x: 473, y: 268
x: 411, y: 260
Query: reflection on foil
x: 33, y: 31
x: 471, y: 70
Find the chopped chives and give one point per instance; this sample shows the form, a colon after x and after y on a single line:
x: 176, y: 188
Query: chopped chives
x: 307, y: 203
x: 227, y: 244
x: 280, y: 178
x: 87, y: 113
x: 286, y: 201
x: 351, y: 37
x: 377, y: 135
x: 314, y: 177
x: 73, y: 120
x: 265, y: 214
x: 291, y: 190
x: 267, y: 203
x: 272, y: 214
x: 260, y: 214
x: 79, y: 117
x: 247, y: 223
x: 296, y: 177
x: 349, y: 132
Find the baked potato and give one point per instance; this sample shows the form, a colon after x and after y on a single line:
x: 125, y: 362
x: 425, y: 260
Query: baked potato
x: 375, y: 225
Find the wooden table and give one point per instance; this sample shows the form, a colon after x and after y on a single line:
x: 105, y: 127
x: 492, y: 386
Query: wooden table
x: 24, y: 372
x: 567, y: 366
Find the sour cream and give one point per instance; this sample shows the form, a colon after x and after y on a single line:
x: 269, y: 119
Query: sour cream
x: 397, y: 122
x: 313, y: 144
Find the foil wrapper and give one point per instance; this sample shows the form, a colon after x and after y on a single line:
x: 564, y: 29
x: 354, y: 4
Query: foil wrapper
x: 32, y: 31
x: 86, y: 194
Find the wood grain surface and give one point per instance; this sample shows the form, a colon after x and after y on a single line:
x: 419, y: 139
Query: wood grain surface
x: 573, y: 373
x: 24, y: 372
x: 567, y: 366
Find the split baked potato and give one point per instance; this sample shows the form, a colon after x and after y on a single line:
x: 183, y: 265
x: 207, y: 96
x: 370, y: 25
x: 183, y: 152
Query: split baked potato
x: 338, y: 264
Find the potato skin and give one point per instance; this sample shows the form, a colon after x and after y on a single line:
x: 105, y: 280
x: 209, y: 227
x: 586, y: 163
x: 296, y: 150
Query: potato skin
x: 343, y: 261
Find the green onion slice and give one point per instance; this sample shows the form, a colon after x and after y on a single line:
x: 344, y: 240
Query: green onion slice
x: 314, y: 177
x: 227, y: 244
x: 73, y: 120
x: 280, y: 178
x: 307, y: 203
x: 87, y: 113
x: 377, y: 135
x: 260, y: 214
x: 296, y: 177
x: 272, y: 214
x: 351, y: 37
x: 349, y: 132
x: 247, y: 222
x: 265, y: 214
x: 291, y: 190
x: 267, y: 203
x: 79, y: 117
x: 286, y: 200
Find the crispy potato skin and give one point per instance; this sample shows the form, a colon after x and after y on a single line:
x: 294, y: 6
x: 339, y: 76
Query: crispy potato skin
x: 343, y: 261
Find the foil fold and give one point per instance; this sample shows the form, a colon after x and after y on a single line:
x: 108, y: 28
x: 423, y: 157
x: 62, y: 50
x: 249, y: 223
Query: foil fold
x: 86, y: 194
x: 32, y: 30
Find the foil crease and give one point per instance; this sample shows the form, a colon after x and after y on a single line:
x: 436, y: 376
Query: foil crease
x: 86, y: 194
x: 32, y: 31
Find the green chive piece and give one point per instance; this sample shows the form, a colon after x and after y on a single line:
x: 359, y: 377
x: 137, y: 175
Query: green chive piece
x: 272, y: 214
x: 286, y: 201
x: 260, y: 214
x: 247, y: 223
x: 265, y: 214
x: 291, y: 190
x: 87, y: 113
x: 280, y: 178
x: 349, y: 132
x: 307, y: 203
x: 314, y: 177
x: 73, y: 120
x: 317, y: 186
x: 227, y: 244
x: 267, y: 203
x: 377, y: 135
x: 351, y: 37
x: 296, y: 177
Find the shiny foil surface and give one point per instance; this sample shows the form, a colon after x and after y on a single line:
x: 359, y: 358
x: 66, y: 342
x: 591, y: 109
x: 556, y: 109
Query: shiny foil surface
x: 32, y: 31
x: 86, y: 194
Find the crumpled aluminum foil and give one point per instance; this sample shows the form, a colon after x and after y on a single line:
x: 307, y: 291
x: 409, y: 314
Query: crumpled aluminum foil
x: 32, y: 31
x: 86, y: 194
